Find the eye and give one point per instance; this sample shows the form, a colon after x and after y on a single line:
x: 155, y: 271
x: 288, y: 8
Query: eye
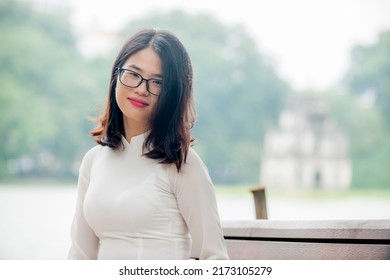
x: 157, y: 83
x: 133, y: 74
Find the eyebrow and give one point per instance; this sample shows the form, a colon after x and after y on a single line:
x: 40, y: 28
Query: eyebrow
x: 140, y: 70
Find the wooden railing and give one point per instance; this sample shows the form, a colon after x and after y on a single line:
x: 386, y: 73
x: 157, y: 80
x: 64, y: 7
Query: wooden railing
x: 305, y: 239
x: 302, y: 240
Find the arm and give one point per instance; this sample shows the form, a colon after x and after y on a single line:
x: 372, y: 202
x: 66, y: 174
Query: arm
x: 85, y: 244
x: 197, y: 203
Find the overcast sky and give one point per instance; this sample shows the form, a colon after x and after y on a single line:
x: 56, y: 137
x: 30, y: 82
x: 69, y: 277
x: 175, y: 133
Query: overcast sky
x: 310, y: 40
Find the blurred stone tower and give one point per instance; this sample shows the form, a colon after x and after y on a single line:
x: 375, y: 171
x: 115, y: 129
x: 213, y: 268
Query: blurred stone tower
x: 306, y: 151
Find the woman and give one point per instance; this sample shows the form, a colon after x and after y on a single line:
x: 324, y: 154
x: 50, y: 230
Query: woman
x: 143, y: 192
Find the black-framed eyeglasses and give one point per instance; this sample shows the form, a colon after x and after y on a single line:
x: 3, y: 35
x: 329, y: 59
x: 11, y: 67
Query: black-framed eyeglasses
x: 132, y: 79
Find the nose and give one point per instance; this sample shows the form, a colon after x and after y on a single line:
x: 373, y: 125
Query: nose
x: 142, y: 89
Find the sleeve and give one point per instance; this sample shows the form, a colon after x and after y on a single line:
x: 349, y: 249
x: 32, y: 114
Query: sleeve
x: 84, y: 242
x: 197, y: 203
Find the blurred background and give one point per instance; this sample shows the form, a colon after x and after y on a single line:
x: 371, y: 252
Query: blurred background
x: 291, y: 95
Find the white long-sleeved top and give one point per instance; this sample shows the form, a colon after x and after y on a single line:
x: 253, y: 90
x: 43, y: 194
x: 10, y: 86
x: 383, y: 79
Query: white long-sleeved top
x: 132, y: 207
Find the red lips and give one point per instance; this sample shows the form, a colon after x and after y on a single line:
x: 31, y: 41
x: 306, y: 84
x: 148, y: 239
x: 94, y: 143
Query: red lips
x: 139, y: 103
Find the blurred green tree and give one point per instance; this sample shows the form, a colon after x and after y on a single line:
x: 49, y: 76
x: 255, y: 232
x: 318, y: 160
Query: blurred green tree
x: 365, y: 112
x: 45, y: 90
x: 369, y: 143
x: 369, y: 74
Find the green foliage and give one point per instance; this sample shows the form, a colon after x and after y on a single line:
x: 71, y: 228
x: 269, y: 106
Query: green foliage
x: 44, y: 93
x: 367, y: 113
x: 370, y: 73
x: 369, y: 143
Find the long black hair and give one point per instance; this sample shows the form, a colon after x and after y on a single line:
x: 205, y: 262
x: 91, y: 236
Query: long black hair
x: 174, y: 115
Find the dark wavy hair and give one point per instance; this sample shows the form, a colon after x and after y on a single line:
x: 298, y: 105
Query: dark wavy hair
x: 174, y: 115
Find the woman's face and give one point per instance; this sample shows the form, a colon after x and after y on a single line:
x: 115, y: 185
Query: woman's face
x: 137, y: 104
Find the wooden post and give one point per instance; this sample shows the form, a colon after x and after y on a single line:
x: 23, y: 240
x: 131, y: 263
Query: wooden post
x: 260, y: 202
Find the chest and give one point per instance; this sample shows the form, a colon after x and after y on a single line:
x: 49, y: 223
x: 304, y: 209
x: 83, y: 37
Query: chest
x: 129, y: 194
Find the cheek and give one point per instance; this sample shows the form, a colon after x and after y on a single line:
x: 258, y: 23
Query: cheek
x: 120, y: 97
x: 117, y: 92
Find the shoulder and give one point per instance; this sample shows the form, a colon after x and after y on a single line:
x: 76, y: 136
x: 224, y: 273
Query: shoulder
x: 91, y: 155
x: 193, y: 162
x: 93, y: 152
x: 192, y: 175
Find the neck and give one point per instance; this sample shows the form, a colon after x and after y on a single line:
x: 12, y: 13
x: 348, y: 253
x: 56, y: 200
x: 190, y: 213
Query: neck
x: 133, y: 129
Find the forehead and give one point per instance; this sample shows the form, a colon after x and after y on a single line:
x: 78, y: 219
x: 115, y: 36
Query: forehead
x: 145, y: 61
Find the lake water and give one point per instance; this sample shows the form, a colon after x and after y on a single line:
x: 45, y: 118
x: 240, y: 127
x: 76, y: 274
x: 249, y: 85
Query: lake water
x: 35, y: 221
